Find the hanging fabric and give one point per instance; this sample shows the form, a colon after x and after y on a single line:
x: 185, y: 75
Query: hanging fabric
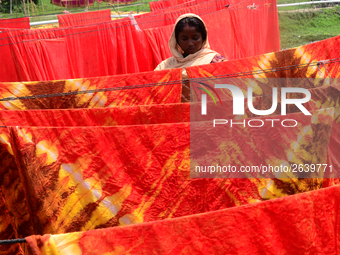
x: 75, y: 3
x: 121, y: 90
x: 83, y: 198
x: 79, y: 19
x: 51, y: 150
x: 313, y: 228
x: 15, y: 23
x: 117, y: 48
x: 161, y: 5
x: 296, y: 62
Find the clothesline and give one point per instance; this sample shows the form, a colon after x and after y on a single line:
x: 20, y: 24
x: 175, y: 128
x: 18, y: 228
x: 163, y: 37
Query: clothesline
x: 159, y: 13
x: 121, y: 26
x: 13, y: 241
x: 137, y: 86
x: 126, y: 50
x: 96, y: 30
x: 248, y: 143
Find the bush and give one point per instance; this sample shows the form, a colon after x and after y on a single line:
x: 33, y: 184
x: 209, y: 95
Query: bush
x: 5, y: 5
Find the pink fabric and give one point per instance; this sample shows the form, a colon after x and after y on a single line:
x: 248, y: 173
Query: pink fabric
x: 74, y: 3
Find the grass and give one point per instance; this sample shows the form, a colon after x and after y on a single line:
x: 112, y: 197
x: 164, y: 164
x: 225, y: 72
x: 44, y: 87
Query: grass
x: 47, y: 11
x: 290, y: 8
x: 299, y: 28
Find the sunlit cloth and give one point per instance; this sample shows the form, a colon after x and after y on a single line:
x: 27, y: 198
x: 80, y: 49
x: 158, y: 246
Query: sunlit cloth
x: 299, y: 224
x: 315, y: 60
x: 106, y: 116
x: 39, y: 148
x: 108, y: 91
x: 140, y: 186
x: 201, y: 57
x: 321, y: 98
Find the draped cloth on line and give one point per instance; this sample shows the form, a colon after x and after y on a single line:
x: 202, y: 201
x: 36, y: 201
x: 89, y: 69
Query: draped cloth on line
x: 160, y: 5
x: 166, y: 4
x: 121, y: 150
x: 321, y: 97
x: 308, y: 61
x: 298, y: 224
x: 20, y: 221
x: 169, y: 16
x: 15, y: 23
x: 78, y: 19
x: 124, y: 50
x: 15, y: 220
x: 122, y: 90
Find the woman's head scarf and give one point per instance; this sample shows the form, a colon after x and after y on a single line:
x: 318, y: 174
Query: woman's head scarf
x: 204, y: 56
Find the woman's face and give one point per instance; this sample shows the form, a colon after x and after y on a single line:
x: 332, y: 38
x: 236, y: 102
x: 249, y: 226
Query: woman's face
x: 190, y: 40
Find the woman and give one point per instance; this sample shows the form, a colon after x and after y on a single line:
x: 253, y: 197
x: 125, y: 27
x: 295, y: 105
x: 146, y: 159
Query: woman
x: 190, y: 47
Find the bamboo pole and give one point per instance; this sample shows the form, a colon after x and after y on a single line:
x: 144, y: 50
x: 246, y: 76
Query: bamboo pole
x: 28, y: 8
x: 36, y: 9
x: 10, y: 7
x: 42, y: 7
x: 32, y: 8
x: 24, y: 7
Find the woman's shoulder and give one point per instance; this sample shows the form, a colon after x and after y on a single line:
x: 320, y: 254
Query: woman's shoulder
x: 165, y: 64
x: 218, y: 58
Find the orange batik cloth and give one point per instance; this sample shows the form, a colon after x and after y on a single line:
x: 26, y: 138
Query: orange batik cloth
x: 299, y: 224
x: 130, y: 172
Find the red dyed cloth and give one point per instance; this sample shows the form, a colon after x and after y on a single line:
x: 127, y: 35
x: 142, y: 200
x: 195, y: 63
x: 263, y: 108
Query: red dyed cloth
x: 121, y: 90
x: 154, y: 88
x: 78, y: 19
x: 139, y: 186
x: 160, y: 5
x: 97, y: 177
x: 112, y: 116
x: 15, y: 23
x: 169, y: 17
x: 321, y: 97
x: 315, y: 60
x: 300, y: 224
x: 124, y: 50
